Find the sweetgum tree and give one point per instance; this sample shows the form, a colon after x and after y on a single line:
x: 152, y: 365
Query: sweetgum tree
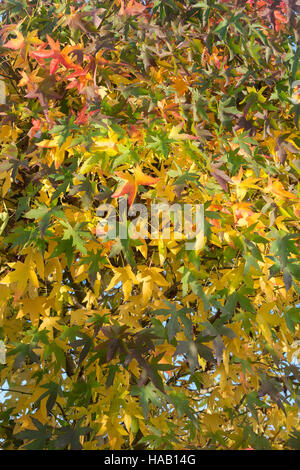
x: 130, y: 343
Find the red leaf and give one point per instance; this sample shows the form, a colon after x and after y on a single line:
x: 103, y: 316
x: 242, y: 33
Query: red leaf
x: 16, y: 43
x: 132, y: 183
x: 132, y: 8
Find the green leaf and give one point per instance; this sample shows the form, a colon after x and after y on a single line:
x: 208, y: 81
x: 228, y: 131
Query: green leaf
x: 147, y: 393
x: 181, y: 403
x: 287, y: 279
x: 38, y: 439
x: 75, y: 234
x: 189, y: 348
x: 68, y: 437
x: 294, y: 440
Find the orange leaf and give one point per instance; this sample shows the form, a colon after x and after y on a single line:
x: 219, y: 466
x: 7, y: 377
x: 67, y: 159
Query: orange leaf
x: 143, y: 179
x: 16, y: 43
x: 132, y: 183
x: 277, y: 188
x: 55, y: 54
x: 243, y: 382
x: 129, y: 188
x: 132, y: 8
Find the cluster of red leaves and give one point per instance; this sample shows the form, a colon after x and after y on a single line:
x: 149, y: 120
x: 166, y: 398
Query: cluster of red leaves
x: 276, y: 11
x: 133, y: 7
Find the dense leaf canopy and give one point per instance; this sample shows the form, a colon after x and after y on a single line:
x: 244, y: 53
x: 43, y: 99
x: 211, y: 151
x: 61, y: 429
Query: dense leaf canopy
x: 131, y: 343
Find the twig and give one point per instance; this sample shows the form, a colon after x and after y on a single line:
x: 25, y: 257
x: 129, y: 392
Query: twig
x: 62, y: 411
x: 15, y: 391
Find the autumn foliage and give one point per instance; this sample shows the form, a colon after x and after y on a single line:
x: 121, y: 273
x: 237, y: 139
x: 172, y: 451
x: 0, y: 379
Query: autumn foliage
x: 132, y: 343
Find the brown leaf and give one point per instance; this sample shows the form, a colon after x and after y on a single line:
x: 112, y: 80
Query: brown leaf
x: 221, y: 177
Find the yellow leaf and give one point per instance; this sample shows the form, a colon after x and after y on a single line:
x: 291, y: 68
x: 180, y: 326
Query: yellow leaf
x: 33, y: 307
x: 127, y: 422
x: 48, y: 144
x: 213, y: 421
x: 126, y: 277
x: 43, y: 408
x: 57, y: 152
x: 226, y: 360
x: 6, y: 185
x: 143, y: 249
x: 49, y: 323
x: 33, y: 277
x: 264, y: 327
x: 280, y: 224
x: 79, y: 316
x: 180, y: 86
x: 119, y: 79
x: 200, y: 242
x: 97, y: 285
x: 276, y: 187
x: 202, y: 362
x: 39, y: 262
x: 19, y: 276
x: 150, y: 275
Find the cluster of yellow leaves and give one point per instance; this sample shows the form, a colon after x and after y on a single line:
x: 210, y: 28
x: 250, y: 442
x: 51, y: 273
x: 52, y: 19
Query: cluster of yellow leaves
x: 35, y: 291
